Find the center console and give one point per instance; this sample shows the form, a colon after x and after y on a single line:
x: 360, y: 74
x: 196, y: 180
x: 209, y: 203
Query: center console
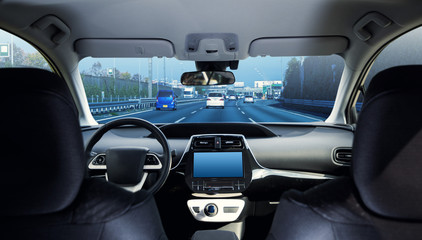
x: 218, y: 168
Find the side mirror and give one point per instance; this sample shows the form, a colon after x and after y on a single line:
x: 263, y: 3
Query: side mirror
x: 205, y: 78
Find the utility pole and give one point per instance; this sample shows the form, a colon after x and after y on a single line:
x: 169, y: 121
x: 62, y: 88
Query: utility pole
x: 11, y: 50
x: 150, y: 78
x: 165, y: 77
x: 139, y: 79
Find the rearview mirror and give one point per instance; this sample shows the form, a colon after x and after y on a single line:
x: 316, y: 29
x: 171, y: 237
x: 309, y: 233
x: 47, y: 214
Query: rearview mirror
x: 207, y: 78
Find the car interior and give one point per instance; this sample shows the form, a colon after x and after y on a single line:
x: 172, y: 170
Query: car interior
x: 325, y: 145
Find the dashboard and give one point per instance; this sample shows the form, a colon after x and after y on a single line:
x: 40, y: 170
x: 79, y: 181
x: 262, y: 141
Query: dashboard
x: 220, y: 170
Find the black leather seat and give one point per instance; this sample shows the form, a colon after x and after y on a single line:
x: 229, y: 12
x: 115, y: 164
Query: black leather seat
x: 382, y: 199
x: 45, y: 193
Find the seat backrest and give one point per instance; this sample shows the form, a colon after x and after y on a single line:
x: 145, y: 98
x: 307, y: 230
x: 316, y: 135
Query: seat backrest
x: 45, y: 194
x: 382, y: 198
x: 43, y: 163
x: 388, y: 144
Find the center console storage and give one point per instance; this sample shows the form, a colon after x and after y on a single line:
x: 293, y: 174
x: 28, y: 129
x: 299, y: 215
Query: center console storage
x: 214, y: 234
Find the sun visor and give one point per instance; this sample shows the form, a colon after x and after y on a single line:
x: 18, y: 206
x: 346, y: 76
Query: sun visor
x: 139, y: 48
x: 303, y: 46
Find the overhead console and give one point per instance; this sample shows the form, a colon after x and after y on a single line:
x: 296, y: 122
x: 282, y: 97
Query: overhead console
x: 218, y: 164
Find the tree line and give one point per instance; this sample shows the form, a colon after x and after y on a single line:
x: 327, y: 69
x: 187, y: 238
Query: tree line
x: 24, y: 59
x: 97, y: 71
x: 314, y: 78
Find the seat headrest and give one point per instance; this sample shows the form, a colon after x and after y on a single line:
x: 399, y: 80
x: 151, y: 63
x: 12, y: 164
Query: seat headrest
x: 387, y: 148
x: 42, y: 153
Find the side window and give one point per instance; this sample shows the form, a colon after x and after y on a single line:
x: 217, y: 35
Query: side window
x: 405, y: 50
x: 15, y: 52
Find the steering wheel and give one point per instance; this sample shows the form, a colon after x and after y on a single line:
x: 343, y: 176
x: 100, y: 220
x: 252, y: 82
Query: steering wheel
x: 129, y: 166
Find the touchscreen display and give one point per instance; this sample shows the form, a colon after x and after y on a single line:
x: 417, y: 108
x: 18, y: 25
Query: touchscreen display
x: 217, y: 164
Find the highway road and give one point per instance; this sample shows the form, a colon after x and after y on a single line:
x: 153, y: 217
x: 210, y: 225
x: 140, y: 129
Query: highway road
x: 234, y: 111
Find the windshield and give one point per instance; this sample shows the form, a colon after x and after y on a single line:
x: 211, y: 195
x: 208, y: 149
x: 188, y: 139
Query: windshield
x: 164, y: 94
x: 284, y: 89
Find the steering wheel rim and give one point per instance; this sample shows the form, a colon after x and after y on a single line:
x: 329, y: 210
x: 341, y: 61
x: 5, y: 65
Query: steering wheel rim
x: 155, y: 131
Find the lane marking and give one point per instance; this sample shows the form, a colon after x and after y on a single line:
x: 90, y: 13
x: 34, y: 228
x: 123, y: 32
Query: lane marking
x: 243, y: 112
x: 123, y: 115
x: 193, y: 112
x: 183, y: 118
x: 250, y: 119
x: 298, y: 114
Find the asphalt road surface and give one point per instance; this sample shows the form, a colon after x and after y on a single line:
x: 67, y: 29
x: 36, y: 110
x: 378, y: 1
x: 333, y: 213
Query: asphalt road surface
x: 234, y: 111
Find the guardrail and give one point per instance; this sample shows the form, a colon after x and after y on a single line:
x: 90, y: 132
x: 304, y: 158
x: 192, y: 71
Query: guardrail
x: 315, y: 103
x: 143, y: 103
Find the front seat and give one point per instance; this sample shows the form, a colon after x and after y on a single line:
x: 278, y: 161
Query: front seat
x: 45, y: 193
x: 382, y: 199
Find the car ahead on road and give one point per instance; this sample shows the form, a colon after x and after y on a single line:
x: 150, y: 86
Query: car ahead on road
x: 248, y: 99
x: 166, y: 99
x: 232, y: 98
x: 215, y: 99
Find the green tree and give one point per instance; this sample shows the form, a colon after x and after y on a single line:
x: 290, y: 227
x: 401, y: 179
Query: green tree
x: 96, y: 69
x: 35, y: 60
x: 18, y: 57
x: 292, y: 79
x: 125, y: 76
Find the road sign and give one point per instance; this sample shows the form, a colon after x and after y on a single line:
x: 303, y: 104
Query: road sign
x: 110, y: 71
x: 4, y: 50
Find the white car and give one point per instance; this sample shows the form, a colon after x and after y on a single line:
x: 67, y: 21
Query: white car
x: 248, y: 99
x: 215, y: 100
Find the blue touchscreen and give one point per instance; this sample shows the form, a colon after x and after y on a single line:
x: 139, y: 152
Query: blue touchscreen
x: 217, y: 164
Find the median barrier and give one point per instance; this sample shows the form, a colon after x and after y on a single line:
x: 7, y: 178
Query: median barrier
x: 143, y: 103
x: 313, y: 105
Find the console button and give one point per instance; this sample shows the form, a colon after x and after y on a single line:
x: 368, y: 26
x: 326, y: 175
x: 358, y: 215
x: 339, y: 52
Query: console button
x: 230, y: 209
x: 211, y: 210
x: 195, y: 209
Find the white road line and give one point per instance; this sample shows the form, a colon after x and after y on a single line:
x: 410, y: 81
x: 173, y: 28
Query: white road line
x: 238, y: 109
x: 183, y: 118
x: 250, y: 119
x: 243, y: 112
x: 123, y: 115
x: 298, y: 114
x: 193, y: 112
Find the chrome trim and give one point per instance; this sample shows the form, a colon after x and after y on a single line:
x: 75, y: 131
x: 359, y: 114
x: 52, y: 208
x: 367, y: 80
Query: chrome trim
x: 91, y: 166
x: 132, y: 188
x: 153, y: 167
x: 221, y: 216
x: 262, y: 173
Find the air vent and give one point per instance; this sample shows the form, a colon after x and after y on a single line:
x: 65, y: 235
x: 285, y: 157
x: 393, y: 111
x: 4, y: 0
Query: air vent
x: 231, y: 142
x: 203, y: 143
x: 343, y: 156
